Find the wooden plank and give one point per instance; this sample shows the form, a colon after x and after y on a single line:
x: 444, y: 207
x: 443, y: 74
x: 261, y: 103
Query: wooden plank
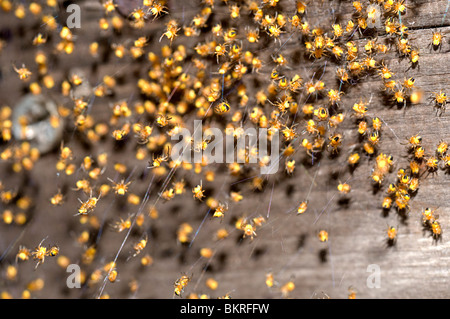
x: 287, y: 245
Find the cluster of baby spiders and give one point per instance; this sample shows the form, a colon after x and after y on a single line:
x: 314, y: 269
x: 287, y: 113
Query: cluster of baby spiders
x: 213, y: 80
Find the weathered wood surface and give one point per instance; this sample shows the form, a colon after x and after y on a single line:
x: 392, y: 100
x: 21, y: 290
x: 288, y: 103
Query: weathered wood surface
x: 287, y: 246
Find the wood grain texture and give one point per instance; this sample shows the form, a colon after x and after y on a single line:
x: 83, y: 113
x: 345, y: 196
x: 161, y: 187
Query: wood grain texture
x: 287, y: 245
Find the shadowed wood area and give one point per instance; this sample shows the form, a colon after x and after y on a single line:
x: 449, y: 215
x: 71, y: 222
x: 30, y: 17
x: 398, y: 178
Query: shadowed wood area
x: 415, y: 265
